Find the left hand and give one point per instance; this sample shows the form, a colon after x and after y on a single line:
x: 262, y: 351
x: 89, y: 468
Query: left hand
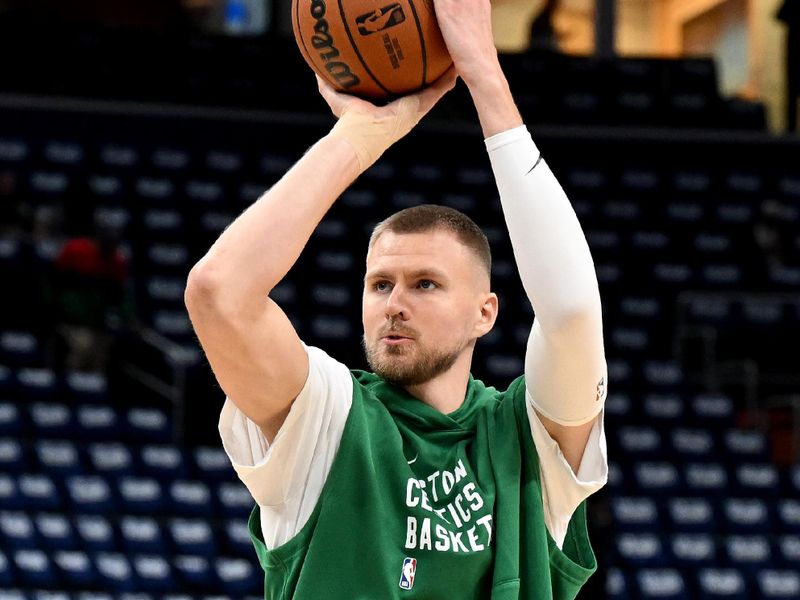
x: 467, y: 29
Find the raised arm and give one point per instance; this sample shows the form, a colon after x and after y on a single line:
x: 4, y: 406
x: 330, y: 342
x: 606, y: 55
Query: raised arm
x: 564, y: 361
x: 252, y: 347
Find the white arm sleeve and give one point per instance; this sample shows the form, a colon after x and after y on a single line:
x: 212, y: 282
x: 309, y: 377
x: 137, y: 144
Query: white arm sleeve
x: 286, y: 477
x: 565, y: 368
x: 565, y: 364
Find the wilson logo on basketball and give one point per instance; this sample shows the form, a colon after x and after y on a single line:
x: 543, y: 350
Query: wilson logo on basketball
x: 380, y: 19
x: 323, y: 40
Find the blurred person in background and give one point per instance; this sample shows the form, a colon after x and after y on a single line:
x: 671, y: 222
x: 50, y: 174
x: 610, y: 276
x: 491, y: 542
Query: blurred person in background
x: 92, y: 298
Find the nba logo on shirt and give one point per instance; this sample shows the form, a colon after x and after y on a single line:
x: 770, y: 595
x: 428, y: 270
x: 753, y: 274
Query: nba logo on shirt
x: 407, y: 575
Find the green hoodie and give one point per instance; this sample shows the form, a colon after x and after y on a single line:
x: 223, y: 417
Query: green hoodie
x: 419, y: 504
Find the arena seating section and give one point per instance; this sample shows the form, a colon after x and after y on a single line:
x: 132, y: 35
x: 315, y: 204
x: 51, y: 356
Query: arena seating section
x: 695, y: 232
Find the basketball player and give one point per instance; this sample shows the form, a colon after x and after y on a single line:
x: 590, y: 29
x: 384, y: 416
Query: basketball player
x: 414, y: 480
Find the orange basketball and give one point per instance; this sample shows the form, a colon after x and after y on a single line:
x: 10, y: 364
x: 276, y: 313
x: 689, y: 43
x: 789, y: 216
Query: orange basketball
x: 376, y: 51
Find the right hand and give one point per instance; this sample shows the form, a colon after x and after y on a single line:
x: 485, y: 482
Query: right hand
x: 372, y: 129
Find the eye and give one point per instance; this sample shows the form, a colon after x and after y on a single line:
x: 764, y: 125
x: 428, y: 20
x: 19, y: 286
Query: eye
x: 381, y: 286
x: 427, y: 284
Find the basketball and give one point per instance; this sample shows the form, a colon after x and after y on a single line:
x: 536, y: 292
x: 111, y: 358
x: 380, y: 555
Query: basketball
x: 375, y: 53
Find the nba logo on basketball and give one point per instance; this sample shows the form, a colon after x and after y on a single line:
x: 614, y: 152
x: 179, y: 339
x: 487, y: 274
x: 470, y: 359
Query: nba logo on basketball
x: 407, y: 575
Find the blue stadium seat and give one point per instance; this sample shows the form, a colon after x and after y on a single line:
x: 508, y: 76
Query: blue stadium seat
x: 85, y: 387
x: 330, y: 327
x: 13, y: 595
x: 639, y: 549
x: 634, y: 513
x: 135, y: 596
x: 96, y: 533
x: 692, y: 444
x: 234, y: 499
x: 665, y: 410
x: 618, y: 405
x: 12, y: 456
x: 788, y: 549
x: 642, y: 442
x: 788, y: 515
x: 154, y: 573
x: 194, y: 571
x: 97, y: 422
x: 779, y: 584
x: 20, y: 349
x: 39, y: 385
x: 9, y: 493
x: 11, y: 422
x: 6, y: 574
x: 94, y: 596
x: 691, y: 515
x: 661, y: 583
x: 160, y: 189
x: 212, y: 464
x: 757, y: 480
x: 167, y: 259
x: 141, y: 495
x: 38, y: 492
x: 722, y: 584
x: 706, y: 479
x: 693, y: 550
x: 49, y: 595
x: 746, y: 446
x: 238, y: 576
x: 148, y: 425
x: 34, y: 568
x: 237, y: 538
x: 192, y: 536
x: 90, y: 494
x: 616, y: 585
x: 111, y: 459
x: 165, y: 463
x: 714, y: 410
x: 76, y: 568
x: 190, y: 497
x: 52, y: 420
x: 793, y: 481
x: 224, y: 161
x: 59, y: 457
x: 55, y: 532
x: 747, y: 552
x: 616, y: 477
x: 746, y: 515
x: 115, y: 572
x: 659, y: 478
x: 206, y: 193
x: 662, y: 375
x: 140, y: 535
x: 17, y: 531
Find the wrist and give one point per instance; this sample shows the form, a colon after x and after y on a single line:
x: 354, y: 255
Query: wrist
x: 495, y: 104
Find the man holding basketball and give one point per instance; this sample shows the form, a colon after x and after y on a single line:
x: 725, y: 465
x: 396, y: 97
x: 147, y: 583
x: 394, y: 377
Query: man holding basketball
x: 414, y: 480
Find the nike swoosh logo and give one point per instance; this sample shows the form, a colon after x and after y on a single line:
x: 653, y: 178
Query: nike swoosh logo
x: 538, y: 160
x: 411, y: 462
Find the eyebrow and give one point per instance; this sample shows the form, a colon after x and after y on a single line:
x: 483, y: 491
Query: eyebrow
x: 418, y: 274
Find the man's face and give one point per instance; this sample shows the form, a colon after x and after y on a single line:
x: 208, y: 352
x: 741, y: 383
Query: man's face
x: 423, y: 306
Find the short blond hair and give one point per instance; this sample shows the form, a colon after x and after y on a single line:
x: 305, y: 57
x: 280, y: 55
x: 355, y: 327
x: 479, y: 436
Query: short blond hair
x: 432, y: 217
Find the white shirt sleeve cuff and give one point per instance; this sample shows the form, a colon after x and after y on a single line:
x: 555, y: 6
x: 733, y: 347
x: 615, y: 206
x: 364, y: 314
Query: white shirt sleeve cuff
x: 563, y: 489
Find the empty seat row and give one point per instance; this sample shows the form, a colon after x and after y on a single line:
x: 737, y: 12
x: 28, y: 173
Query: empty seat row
x: 708, y: 583
x: 700, y: 514
x: 103, y: 495
x: 128, y: 533
x: 703, y: 550
x: 118, y: 572
x: 64, y: 457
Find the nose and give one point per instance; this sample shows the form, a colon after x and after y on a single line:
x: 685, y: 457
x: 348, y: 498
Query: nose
x: 396, y: 306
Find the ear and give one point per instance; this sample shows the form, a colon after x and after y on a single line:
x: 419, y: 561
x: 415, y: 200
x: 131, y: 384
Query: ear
x: 488, y: 313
